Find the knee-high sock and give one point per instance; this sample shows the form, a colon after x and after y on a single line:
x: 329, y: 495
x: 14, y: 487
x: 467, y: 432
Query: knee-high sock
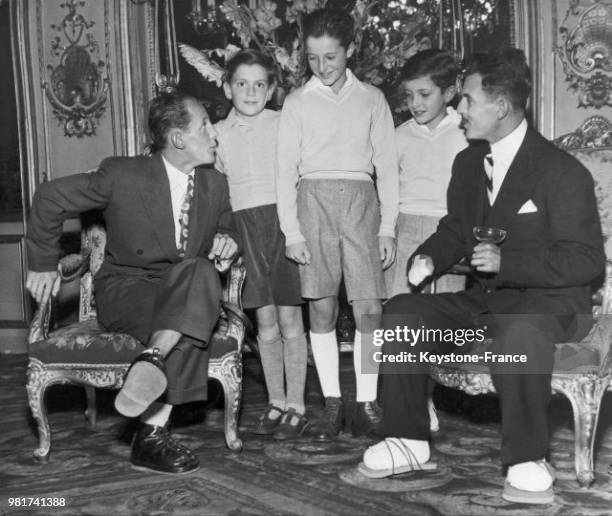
x: 366, y: 383
x: 295, y: 353
x: 156, y: 414
x: 272, y: 362
x: 327, y: 360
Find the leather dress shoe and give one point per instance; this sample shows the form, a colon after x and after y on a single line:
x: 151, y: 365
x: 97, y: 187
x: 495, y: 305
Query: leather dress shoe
x: 366, y: 418
x: 328, y: 427
x: 267, y: 422
x: 154, y: 450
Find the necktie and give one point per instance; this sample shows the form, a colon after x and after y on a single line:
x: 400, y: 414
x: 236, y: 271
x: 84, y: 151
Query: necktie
x: 488, y: 167
x: 184, y: 217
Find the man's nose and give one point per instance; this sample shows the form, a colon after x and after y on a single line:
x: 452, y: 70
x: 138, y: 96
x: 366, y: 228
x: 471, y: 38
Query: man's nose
x: 461, y: 106
x: 212, y: 132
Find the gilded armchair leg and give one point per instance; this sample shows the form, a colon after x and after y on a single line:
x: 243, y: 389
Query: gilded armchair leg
x: 585, y: 394
x: 228, y: 371
x: 91, y: 412
x: 36, y: 386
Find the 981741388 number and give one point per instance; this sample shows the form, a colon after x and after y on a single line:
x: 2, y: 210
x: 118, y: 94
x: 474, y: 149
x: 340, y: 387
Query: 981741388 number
x: 37, y: 501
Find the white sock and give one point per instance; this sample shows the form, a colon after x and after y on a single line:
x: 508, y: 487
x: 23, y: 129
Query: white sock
x: 530, y: 476
x: 156, y: 414
x: 377, y: 456
x: 366, y: 383
x: 327, y: 361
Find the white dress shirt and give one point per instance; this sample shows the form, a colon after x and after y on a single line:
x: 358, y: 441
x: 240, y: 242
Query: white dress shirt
x: 178, y: 188
x: 503, y: 152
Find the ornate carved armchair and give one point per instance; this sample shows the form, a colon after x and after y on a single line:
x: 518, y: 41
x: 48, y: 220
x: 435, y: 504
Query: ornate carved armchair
x: 583, y: 370
x: 84, y: 354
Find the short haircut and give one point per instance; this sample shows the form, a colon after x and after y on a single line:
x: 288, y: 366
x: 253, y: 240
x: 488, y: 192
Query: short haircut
x: 505, y: 72
x: 437, y: 64
x: 167, y: 111
x: 333, y: 23
x: 251, y: 57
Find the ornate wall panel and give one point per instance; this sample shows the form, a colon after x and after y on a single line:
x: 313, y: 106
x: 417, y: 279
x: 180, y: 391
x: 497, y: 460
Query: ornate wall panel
x: 87, y: 88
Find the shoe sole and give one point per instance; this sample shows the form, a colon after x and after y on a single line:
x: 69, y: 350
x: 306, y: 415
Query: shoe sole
x: 160, y: 472
x: 384, y: 473
x: 143, y: 384
x: 512, y: 494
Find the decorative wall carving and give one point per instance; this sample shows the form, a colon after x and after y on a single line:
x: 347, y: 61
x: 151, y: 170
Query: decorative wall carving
x: 78, y: 83
x: 594, y: 133
x: 586, y: 52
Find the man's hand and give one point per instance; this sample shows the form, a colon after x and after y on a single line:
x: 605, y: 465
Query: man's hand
x: 298, y: 253
x: 387, y: 248
x: 486, y: 258
x: 43, y: 284
x: 422, y: 267
x: 223, y: 251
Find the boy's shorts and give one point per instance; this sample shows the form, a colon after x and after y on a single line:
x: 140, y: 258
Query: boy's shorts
x: 340, y: 220
x: 412, y: 231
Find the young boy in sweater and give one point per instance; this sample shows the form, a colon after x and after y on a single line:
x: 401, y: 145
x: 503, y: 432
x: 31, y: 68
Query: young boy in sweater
x: 335, y: 135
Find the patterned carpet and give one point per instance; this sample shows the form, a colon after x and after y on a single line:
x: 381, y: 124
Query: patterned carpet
x: 89, y: 467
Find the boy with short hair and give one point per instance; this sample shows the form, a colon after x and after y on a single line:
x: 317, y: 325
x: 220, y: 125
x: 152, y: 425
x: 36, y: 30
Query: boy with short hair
x: 335, y: 134
x: 426, y: 147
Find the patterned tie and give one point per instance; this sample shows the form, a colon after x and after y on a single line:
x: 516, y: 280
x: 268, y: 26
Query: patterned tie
x: 488, y: 167
x: 184, y: 217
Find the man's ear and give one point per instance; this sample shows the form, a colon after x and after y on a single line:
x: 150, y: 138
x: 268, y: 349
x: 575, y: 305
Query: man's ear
x: 350, y: 49
x: 504, y: 107
x: 227, y: 90
x: 176, y: 139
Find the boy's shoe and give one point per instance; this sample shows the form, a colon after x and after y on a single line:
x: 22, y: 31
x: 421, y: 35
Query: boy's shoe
x: 366, y: 418
x: 292, y: 425
x: 267, y: 422
x: 328, y: 427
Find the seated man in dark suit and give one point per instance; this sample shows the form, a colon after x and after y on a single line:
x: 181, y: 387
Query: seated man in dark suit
x: 527, y: 291
x: 166, y: 221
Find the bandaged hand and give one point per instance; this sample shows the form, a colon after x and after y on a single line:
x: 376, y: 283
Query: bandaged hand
x: 422, y: 267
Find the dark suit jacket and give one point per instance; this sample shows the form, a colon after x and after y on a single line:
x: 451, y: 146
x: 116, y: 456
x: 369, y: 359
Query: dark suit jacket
x: 134, y: 196
x: 554, y: 252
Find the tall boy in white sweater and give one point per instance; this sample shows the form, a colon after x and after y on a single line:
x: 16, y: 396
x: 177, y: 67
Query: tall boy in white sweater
x: 335, y: 135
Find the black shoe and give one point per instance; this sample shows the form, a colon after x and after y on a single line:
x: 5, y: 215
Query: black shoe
x: 328, y: 427
x: 366, y: 418
x: 292, y: 425
x: 154, y: 450
x: 267, y: 424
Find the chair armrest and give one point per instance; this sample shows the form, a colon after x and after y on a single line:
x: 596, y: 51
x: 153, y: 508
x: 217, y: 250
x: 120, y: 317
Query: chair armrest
x: 606, y: 291
x: 73, y: 266
x: 39, y: 327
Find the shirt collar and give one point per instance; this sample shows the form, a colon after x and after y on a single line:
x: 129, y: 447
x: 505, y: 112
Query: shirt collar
x: 233, y: 119
x: 451, y: 118
x: 505, y: 150
x: 314, y: 83
x: 175, y: 176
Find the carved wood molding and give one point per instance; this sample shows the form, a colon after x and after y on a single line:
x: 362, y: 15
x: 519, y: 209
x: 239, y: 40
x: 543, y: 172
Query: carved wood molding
x: 594, y: 133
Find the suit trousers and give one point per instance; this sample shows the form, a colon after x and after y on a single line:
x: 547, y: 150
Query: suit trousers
x: 186, y: 298
x: 530, y: 326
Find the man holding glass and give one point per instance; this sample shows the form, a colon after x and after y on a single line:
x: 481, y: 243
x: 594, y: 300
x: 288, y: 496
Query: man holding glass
x: 523, y: 214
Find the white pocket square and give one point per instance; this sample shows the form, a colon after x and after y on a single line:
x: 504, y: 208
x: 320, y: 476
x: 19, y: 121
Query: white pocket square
x: 528, y: 207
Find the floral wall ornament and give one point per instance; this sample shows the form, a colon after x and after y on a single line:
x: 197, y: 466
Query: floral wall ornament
x: 586, y: 53
x: 77, y: 87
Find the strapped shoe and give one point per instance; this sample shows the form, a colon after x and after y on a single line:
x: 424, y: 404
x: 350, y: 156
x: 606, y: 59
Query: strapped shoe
x: 327, y: 428
x: 546, y: 496
x: 366, y: 418
x: 396, y: 456
x: 292, y: 425
x: 267, y: 424
x: 144, y: 382
x: 153, y: 449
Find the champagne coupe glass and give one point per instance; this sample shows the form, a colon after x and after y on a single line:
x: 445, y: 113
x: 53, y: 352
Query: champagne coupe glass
x: 489, y: 235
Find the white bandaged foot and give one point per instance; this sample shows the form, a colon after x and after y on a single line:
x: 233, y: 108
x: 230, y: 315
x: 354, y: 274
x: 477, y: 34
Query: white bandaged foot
x: 530, y: 476
x: 394, y: 456
x: 422, y: 268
